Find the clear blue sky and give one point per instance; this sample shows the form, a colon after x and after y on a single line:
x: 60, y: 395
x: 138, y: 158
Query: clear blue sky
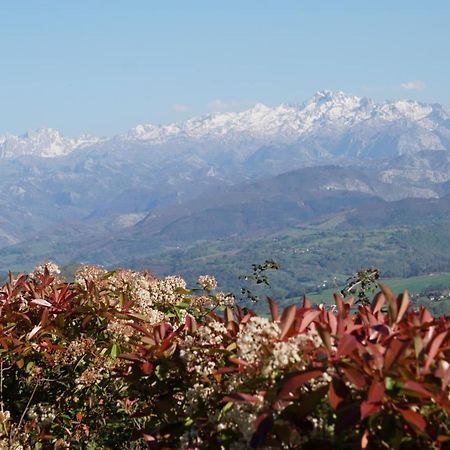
x: 103, y: 66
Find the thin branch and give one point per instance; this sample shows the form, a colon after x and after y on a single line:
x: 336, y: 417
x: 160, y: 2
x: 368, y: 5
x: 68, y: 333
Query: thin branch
x: 27, y: 407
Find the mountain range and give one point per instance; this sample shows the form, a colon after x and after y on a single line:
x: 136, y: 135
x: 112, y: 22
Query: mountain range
x: 220, y: 175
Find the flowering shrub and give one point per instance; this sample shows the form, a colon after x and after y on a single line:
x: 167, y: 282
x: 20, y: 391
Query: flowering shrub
x: 123, y: 360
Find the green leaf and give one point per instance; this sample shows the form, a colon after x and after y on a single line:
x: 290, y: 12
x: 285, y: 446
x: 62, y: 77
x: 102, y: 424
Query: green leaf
x: 389, y: 383
x: 115, y: 350
x: 225, y: 409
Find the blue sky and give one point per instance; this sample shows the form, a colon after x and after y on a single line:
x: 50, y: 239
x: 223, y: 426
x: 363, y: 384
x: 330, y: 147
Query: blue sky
x: 103, y: 66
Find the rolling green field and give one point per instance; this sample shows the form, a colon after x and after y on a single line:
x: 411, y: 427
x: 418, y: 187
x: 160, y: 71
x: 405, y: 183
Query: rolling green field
x: 413, y: 284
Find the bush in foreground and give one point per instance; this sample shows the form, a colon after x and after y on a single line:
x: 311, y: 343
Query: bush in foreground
x: 121, y: 360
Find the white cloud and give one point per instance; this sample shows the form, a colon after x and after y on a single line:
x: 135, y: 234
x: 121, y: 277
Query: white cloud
x: 179, y: 107
x: 416, y: 85
x: 218, y: 105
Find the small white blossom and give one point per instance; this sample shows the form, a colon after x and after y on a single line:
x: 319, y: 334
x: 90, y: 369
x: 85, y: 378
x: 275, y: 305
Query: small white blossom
x: 53, y: 269
x: 207, y: 282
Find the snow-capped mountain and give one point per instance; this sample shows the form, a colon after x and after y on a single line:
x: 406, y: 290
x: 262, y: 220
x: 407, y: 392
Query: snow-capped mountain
x: 289, y: 123
x: 44, y: 142
x: 419, y: 126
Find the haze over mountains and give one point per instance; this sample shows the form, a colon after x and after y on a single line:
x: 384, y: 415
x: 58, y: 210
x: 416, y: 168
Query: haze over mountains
x: 223, y: 174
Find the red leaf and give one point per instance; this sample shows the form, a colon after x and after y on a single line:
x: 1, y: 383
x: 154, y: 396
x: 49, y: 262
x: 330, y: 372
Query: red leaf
x: 233, y: 327
x: 325, y: 335
x: 394, y: 352
x: 287, y: 319
x: 141, y: 329
x: 378, y: 302
x: 392, y: 303
x: 239, y: 362
x: 79, y: 416
x: 365, y: 439
x: 190, y: 323
x: 241, y: 397
x: 402, y: 305
x: 147, y: 368
x: 369, y: 409
x: 164, y: 330
x: 228, y: 314
x: 44, y: 316
x: 166, y: 343
x: 41, y: 302
x: 425, y: 316
x: 434, y: 349
x: 309, y: 317
x: 306, y: 302
x: 355, y: 377
x: 347, y: 345
x: 414, y: 419
x: 333, y: 397
x: 337, y: 392
x: 332, y: 321
x: 129, y: 357
x: 223, y: 370
x: 339, y: 303
x: 295, y: 381
x: 376, y: 392
x: 148, y: 437
x: 273, y: 309
x: 418, y: 388
x: 350, y: 301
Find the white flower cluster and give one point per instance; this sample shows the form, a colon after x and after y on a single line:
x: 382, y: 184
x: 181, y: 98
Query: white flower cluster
x: 286, y: 353
x: 90, y: 376
x: 259, y: 342
x: 121, y: 329
x: 258, y: 335
x: 43, y: 414
x: 324, y: 380
x: 145, y: 290
x: 87, y: 273
x: 164, y: 291
x: 5, y: 444
x: 224, y: 299
x: 207, y: 282
x: 53, y: 269
x: 74, y: 351
x: 242, y: 417
x: 199, y: 392
x: 210, y: 334
x: 194, y: 349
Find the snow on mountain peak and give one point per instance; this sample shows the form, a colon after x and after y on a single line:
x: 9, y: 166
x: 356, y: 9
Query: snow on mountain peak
x: 259, y: 124
x: 284, y: 122
x: 43, y: 142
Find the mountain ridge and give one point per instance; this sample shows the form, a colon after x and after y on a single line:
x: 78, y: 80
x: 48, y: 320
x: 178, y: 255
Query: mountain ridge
x: 284, y: 123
